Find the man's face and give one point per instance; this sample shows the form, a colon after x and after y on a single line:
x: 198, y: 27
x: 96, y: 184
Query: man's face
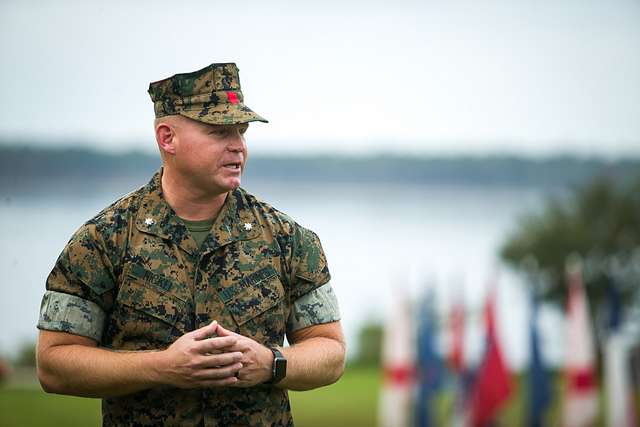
x: 210, y: 157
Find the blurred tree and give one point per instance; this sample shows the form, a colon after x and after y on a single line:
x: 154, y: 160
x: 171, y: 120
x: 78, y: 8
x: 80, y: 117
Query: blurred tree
x: 369, y: 345
x: 4, y: 370
x: 599, y: 221
x: 26, y: 355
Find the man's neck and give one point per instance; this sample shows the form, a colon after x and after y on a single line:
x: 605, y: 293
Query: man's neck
x: 187, y: 202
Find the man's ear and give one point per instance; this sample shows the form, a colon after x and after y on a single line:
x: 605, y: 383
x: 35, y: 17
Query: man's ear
x: 165, y: 137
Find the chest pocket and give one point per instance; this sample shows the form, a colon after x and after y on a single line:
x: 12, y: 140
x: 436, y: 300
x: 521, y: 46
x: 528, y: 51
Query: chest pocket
x: 150, y: 306
x: 254, y: 295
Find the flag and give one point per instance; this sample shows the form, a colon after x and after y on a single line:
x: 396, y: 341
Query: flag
x: 492, y: 385
x: 429, y: 366
x: 617, y: 372
x: 456, y: 353
x: 581, y: 395
x: 539, y: 385
x: 457, y: 365
x: 398, y: 359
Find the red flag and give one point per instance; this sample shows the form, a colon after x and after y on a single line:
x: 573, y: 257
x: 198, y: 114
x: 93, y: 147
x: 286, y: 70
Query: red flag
x: 456, y: 353
x: 581, y: 394
x: 457, y: 364
x: 492, y: 386
x: 398, y: 359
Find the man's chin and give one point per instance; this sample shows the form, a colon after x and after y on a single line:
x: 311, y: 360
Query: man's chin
x: 233, y: 184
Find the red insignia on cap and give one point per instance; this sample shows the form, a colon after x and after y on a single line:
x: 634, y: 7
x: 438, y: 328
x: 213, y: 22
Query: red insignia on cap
x: 233, y: 98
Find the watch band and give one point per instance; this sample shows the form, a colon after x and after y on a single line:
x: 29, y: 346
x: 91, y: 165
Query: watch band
x: 278, y: 367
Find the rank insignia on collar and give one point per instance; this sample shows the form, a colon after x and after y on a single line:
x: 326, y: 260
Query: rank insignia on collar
x: 149, y: 221
x: 248, y: 226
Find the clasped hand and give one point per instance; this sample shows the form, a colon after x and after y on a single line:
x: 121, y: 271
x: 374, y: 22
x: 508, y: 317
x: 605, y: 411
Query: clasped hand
x: 213, y: 356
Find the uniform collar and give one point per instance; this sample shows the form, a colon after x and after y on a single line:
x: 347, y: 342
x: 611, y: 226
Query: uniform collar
x: 236, y: 220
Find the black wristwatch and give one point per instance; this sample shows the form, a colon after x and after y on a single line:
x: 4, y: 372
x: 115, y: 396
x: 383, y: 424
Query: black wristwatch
x: 278, y: 368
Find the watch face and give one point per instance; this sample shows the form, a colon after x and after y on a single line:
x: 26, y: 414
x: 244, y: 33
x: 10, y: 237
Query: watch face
x: 281, y: 364
x: 279, y: 368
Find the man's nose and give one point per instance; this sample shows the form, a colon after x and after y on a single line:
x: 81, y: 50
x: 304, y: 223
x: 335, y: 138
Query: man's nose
x: 236, y: 141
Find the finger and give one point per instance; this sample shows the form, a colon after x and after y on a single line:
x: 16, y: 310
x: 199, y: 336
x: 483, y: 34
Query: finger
x: 240, y: 346
x: 242, y: 383
x: 244, y: 345
x: 218, y: 373
x: 223, y: 332
x: 215, y: 345
x: 205, y: 331
x: 220, y: 383
x: 220, y: 360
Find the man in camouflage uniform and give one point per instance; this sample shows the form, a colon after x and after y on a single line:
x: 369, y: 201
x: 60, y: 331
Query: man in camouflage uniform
x: 172, y: 304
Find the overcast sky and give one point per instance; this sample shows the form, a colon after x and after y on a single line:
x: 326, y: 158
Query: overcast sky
x: 527, y: 76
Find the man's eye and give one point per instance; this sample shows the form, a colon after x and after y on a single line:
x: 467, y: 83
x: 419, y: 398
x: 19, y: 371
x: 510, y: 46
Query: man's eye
x: 227, y: 132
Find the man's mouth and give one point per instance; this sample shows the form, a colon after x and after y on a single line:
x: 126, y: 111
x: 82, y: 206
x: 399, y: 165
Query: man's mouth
x: 232, y: 166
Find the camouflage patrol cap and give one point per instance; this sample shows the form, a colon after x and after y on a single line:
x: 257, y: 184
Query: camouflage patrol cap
x: 211, y: 95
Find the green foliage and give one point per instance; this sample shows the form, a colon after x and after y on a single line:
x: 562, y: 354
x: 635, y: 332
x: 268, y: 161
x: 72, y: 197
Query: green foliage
x: 26, y: 355
x: 369, y: 345
x: 600, y: 222
x: 5, y: 370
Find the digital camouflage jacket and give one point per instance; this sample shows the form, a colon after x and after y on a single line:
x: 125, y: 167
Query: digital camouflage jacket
x: 132, y: 278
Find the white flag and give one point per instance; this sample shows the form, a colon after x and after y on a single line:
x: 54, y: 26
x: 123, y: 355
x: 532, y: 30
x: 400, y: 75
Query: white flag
x: 398, y: 361
x: 620, y: 404
x: 581, y: 394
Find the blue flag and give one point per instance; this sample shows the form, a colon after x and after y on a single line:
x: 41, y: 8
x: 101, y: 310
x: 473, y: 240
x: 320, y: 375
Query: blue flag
x: 615, y: 304
x: 539, y: 384
x: 430, y: 366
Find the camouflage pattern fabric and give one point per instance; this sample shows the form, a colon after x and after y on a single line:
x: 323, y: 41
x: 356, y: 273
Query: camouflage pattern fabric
x: 317, y: 307
x: 211, y: 95
x: 69, y: 313
x: 137, y: 262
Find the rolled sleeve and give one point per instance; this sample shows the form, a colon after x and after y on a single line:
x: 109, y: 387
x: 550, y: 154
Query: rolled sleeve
x: 79, y: 287
x: 317, y: 307
x: 68, y: 313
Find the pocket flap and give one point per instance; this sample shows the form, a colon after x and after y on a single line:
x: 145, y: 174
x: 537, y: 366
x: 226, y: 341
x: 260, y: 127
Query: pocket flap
x: 154, y: 280
x: 253, y: 279
x: 254, y: 295
x: 146, y: 292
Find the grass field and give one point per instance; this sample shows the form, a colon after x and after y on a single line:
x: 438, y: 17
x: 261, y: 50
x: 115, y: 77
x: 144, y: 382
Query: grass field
x: 32, y: 407
x: 352, y: 402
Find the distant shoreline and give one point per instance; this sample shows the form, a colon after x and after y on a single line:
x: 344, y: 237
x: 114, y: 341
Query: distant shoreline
x: 29, y: 165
